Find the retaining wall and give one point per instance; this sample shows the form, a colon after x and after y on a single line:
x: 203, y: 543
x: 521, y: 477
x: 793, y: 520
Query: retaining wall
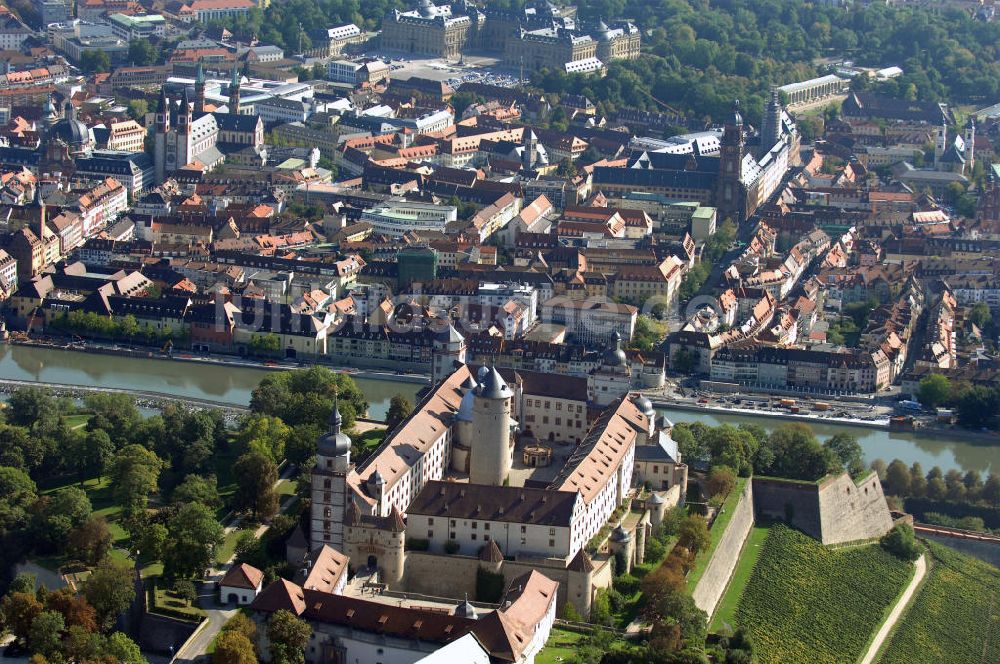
x: 714, y: 580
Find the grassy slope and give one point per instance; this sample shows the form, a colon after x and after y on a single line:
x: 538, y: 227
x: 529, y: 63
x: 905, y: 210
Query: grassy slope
x: 718, y: 528
x: 725, y: 613
x: 955, y: 616
x: 807, y: 603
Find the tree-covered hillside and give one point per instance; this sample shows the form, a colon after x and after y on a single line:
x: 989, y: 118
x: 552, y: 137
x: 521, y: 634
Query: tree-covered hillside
x: 700, y: 54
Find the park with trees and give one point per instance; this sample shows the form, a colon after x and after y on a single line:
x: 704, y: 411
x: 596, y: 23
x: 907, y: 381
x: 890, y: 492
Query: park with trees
x: 95, y: 488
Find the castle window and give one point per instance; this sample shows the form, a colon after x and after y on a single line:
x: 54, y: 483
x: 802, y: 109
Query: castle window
x: 430, y: 521
x: 430, y: 534
x: 451, y: 535
x: 552, y: 543
x: 486, y: 526
x: 473, y: 537
x: 524, y: 529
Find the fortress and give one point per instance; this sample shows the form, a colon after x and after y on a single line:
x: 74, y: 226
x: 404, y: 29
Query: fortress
x: 499, y: 472
x: 515, y: 489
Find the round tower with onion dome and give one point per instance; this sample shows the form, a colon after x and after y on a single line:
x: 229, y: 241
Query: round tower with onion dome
x: 329, y: 484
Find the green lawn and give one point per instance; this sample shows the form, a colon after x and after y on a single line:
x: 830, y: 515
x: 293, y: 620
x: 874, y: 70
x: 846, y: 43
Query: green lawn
x: 76, y: 421
x: 225, y: 552
x: 166, y: 601
x: 286, y: 487
x: 718, y: 528
x: 102, y: 499
x: 560, y: 646
x: 807, y: 603
x: 955, y: 616
x: 725, y: 612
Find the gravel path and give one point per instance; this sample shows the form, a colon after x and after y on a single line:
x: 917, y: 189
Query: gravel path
x: 897, y: 611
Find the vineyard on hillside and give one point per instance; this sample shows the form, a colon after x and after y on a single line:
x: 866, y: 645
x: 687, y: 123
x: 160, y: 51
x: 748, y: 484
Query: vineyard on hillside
x: 808, y: 603
x: 955, y: 617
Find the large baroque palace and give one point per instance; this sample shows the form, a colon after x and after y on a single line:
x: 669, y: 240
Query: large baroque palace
x: 541, y: 35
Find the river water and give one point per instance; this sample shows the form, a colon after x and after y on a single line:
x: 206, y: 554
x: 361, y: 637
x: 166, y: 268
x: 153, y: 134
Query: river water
x: 947, y: 453
x: 182, y: 379
x: 232, y: 385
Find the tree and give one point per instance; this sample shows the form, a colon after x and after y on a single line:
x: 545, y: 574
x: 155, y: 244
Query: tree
x: 721, y: 481
x: 233, y: 648
x: 19, y: 613
x: 45, y: 636
x: 666, y: 578
x: 897, y: 478
x: 23, y: 583
x: 137, y: 109
x: 979, y: 315
x: 288, y: 636
x: 256, y: 475
x: 683, y: 361
x: 95, y: 62
x: 75, y: 610
x: 91, y: 540
x: 114, y: 413
x: 197, y: 489
x: 693, y: 533
x: 979, y: 407
x: 798, y: 455
x: 110, y: 590
x: 17, y: 493
x: 265, y: 344
x: 301, y: 445
x: 399, y: 409
x: 193, y: 536
x: 878, y: 465
x: 956, y: 486
x: 918, y: 482
x: 648, y: 334
x: 934, y: 390
x: 134, y: 474
x: 265, y: 434
x: 141, y: 52
x: 33, y: 407
x: 936, y: 489
x: 900, y: 542
x: 305, y: 396
x: 185, y: 590
x: 97, y: 451
x: 848, y: 450
x: 241, y: 624
x: 123, y: 649
x: 82, y: 645
x: 151, y: 541
x: 991, y: 490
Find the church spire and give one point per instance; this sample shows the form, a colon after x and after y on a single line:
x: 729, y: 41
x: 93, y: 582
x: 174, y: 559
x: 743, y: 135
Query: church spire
x: 199, y: 90
x: 234, y: 91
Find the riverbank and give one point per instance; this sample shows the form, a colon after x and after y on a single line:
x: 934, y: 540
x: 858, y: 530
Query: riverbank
x: 747, y: 412
x: 932, y: 432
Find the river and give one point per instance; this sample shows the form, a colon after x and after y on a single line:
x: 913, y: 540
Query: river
x: 182, y: 379
x: 947, y: 453
x: 232, y: 385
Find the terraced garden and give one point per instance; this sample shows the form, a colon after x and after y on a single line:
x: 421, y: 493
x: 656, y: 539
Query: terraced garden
x: 807, y: 603
x: 955, y: 616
